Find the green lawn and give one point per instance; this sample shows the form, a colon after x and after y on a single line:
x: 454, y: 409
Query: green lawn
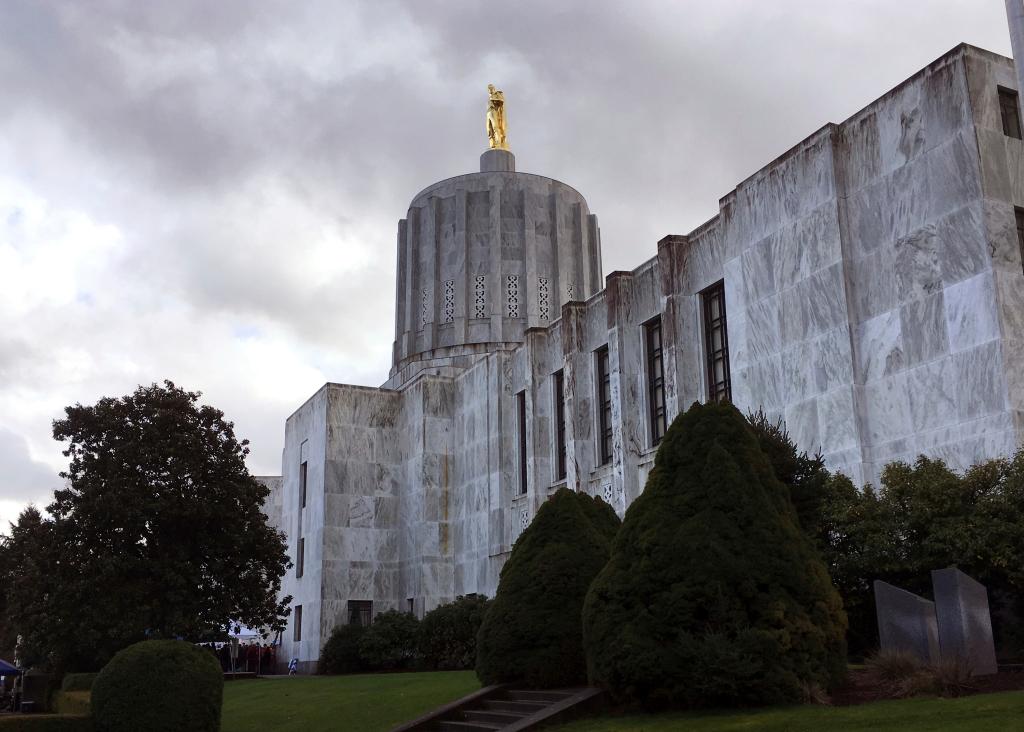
x: 982, y: 713
x: 373, y: 702
x: 367, y: 703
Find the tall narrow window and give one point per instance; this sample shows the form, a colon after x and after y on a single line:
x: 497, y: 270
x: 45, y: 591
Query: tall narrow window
x: 1009, y: 109
x: 521, y: 413
x: 655, y: 379
x: 412, y: 605
x: 300, y: 559
x: 558, y: 395
x: 360, y: 612
x: 716, y: 343
x: 604, y: 405
x: 302, y: 485
x: 298, y: 624
x: 1019, y: 213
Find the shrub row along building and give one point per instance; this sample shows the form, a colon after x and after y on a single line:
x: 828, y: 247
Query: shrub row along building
x: 866, y: 287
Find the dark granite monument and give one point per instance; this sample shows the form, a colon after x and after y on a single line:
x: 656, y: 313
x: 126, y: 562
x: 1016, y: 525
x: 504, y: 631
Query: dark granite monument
x: 906, y: 622
x: 964, y: 623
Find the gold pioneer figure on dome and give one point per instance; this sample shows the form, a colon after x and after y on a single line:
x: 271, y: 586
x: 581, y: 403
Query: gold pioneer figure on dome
x: 496, y: 130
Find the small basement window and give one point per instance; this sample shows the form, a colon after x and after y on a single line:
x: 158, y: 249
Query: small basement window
x: 360, y: 612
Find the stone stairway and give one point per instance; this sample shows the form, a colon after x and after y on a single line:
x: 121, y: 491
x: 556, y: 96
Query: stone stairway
x: 505, y: 709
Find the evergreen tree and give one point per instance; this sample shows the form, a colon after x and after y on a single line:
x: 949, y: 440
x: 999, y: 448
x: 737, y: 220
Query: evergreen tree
x: 30, y: 587
x: 802, y: 473
x: 712, y: 594
x: 531, y: 632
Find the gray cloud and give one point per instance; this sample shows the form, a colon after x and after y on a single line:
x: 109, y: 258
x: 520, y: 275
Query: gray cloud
x: 208, y: 192
x: 24, y: 478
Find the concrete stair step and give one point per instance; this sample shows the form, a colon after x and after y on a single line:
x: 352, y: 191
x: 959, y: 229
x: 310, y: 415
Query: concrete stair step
x: 510, y: 705
x: 537, y: 695
x: 452, y: 726
x: 489, y: 715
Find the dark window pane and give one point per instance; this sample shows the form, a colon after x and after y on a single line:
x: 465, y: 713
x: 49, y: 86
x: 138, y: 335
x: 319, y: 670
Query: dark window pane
x: 302, y: 485
x: 604, y: 401
x: 297, y: 636
x: 521, y: 408
x: 1009, y: 109
x: 559, y: 399
x: 300, y: 559
x: 716, y: 342
x: 1019, y: 212
x: 360, y: 612
x: 655, y: 380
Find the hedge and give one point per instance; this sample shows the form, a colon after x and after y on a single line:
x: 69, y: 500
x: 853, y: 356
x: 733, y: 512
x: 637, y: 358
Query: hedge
x: 340, y: 654
x: 447, y: 635
x: 159, y: 686
x: 532, y: 632
x: 70, y: 702
x: 46, y: 723
x: 78, y: 682
x: 390, y: 641
x: 713, y: 596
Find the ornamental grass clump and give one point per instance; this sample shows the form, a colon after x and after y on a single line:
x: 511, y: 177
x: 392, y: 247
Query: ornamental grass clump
x: 159, y: 686
x: 532, y: 634
x: 712, y: 595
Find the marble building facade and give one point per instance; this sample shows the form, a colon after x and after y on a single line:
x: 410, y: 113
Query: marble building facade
x: 866, y: 286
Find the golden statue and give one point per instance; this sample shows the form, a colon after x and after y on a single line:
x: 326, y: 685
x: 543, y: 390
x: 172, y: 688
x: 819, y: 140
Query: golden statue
x: 496, y: 129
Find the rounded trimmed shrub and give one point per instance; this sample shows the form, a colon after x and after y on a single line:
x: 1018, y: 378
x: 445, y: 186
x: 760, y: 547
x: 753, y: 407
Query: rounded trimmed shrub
x: 532, y: 633
x: 158, y: 686
x: 712, y: 596
x: 446, y: 640
x: 340, y: 654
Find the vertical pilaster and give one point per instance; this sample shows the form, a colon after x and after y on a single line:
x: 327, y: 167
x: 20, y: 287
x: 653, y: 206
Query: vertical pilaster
x: 463, y: 279
x: 495, y: 285
x: 592, y: 256
x: 528, y: 279
x: 669, y: 255
x: 557, y: 278
x: 581, y: 290
x: 579, y: 415
x: 624, y: 368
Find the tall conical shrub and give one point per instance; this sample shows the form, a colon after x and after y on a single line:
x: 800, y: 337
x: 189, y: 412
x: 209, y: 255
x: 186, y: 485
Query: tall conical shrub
x: 712, y: 595
x: 532, y: 632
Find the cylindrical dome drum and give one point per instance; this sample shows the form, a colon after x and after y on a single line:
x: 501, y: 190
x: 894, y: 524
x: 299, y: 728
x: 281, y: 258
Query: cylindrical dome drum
x: 482, y: 257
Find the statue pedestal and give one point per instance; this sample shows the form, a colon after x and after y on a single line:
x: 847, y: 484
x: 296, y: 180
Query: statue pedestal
x: 497, y: 161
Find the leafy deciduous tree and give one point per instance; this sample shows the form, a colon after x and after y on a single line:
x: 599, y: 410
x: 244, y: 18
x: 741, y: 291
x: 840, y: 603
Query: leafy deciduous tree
x: 158, y: 533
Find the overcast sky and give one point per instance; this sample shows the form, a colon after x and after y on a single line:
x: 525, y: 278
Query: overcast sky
x: 208, y: 192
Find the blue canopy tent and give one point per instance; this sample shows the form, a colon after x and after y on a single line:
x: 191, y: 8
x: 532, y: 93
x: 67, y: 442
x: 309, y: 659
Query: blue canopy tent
x: 8, y: 669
